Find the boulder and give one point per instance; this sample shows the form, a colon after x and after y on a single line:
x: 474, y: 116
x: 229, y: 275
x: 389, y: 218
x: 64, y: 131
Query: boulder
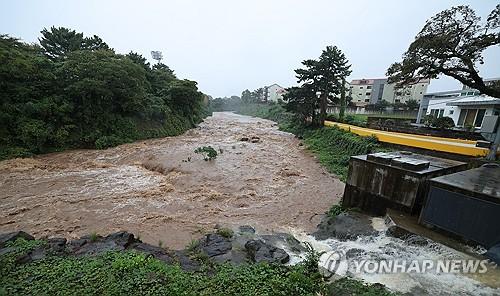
x: 259, y: 251
x: 97, y: 247
x: 494, y: 254
x: 255, y: 140
x: 345, y: 226
x: 157, y: 252
x: 285, y: 240
x: 12, y: 236
x: 244, y: 139
x: 398, y: 232
x: 122, y: 238
x: 246, y: 229
x: 186, y: 262
x: 57, y: 244
x: 411, y: 238
x: 215, y: 245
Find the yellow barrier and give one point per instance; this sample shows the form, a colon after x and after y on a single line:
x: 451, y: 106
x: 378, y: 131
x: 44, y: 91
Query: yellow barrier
x: 457, y: 146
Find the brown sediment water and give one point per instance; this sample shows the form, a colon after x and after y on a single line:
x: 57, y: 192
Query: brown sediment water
x: 162, y: 191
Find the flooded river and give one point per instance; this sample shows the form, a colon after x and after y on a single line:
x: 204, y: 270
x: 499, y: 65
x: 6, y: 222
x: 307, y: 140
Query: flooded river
x: 162, y: 191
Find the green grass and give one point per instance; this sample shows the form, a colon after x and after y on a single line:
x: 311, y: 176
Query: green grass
x: 131, y: 273
x: 225, y: 232
x: 333, y: 147
x: 348, y: 286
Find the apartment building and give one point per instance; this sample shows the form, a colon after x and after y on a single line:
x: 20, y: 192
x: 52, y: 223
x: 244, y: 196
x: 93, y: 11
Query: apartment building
x: 370, y: 91
x: 273, y: 93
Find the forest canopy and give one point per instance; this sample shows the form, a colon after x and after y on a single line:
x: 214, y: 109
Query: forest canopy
x: 72, y: 91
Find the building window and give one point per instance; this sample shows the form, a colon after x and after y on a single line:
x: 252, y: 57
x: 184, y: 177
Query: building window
x: 451, y: 112
x: 360, y: 87
x: 368, y: 93
x: 471, y: 117
x: 441, y: 113
x: 360, y: 95
x: 367, y: 100
x: 479, y: 118
x: 369, y: 87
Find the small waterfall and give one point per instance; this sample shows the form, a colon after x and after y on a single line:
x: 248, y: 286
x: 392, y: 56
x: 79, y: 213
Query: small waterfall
x: 382, y: 247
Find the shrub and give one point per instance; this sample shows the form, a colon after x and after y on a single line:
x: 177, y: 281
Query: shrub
x: 443, y: 122
x: 108, y: 141
x: 428, y: 120
x: 208, y: 152
x: 225, y: 232
x: 335, y: 210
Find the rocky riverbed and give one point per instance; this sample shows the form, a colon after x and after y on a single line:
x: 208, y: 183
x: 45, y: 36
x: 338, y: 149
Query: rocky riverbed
x: 162, y: 191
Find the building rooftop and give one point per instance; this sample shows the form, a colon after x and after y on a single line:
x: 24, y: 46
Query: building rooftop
x: 475, y: 100
x: 482, y: 181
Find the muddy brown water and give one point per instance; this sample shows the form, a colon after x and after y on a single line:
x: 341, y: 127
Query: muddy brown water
x: 162, y: 191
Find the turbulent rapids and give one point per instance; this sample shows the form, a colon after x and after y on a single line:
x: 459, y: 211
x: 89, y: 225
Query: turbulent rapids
x: 161, y: 190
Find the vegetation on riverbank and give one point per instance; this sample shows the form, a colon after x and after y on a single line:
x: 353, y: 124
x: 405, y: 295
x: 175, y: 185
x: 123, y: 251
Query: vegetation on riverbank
x: 73, y: 91
x: 134, y: 273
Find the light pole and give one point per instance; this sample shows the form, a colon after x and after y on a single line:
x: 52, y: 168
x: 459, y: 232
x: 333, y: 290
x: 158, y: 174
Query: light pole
x: 157, y: 55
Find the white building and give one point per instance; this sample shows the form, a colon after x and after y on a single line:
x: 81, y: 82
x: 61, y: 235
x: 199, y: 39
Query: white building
x: 371, y: 91
x: 465, y: 110
x: 414, y: 91
x: 273, y: 93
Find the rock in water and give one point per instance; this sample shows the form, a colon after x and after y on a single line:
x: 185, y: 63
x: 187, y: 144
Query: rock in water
x: 494, y: 254
x: 345, y: 226
x: 259, y: 251
x: 122, y: 238
x: 215, y: 245
x: 246, y: 229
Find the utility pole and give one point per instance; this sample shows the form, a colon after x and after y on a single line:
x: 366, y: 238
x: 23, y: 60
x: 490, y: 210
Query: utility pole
x: 342, y: 99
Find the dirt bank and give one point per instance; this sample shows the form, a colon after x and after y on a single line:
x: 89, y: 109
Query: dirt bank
x: 150, y: 188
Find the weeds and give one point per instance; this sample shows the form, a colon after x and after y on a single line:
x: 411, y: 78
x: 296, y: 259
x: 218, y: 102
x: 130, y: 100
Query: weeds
x: 94, y: 236
x: 225, y: 232
x: 335, y: 210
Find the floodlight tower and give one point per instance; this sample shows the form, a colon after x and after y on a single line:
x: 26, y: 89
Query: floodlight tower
x: 157, y: 55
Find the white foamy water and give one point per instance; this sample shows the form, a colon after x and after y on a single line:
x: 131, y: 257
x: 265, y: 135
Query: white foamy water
x: 382, y: 247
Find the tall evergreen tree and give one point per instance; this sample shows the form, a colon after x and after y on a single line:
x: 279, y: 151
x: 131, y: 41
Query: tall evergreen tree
x: 326, y: 77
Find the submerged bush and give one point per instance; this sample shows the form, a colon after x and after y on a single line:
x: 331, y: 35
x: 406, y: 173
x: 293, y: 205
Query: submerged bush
x: 208, y: 152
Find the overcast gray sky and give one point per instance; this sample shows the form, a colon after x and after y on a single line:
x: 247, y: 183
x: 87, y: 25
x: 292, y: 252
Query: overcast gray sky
x: 228, y: 46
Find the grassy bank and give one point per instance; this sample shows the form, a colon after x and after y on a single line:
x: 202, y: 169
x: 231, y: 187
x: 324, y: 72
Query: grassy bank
x: 132, y: 273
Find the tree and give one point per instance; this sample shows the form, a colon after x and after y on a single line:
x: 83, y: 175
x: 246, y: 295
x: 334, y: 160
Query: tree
x: 73, y: 91
x: 326, y: 76
x: 59, y: 42
x: 246, y: 96
x: 451, y: 43
x: 412, y: 104
x: 379, y: 106
x: 302, y: 101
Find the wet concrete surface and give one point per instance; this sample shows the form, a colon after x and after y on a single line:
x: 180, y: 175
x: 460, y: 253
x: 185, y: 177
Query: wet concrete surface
x: 162, y: 191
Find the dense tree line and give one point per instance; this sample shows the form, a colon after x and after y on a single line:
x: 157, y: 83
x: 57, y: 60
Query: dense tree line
x: 75, y: 91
